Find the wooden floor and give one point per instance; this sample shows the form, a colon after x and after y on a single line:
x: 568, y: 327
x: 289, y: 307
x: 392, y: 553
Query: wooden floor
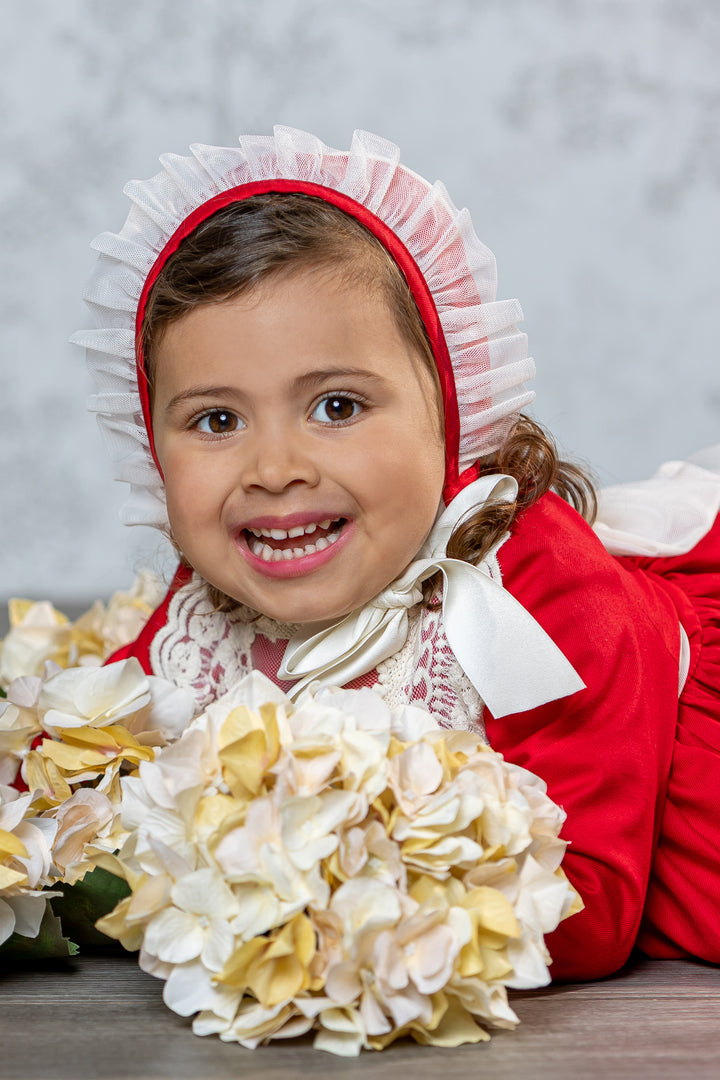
x: 101, y: 1017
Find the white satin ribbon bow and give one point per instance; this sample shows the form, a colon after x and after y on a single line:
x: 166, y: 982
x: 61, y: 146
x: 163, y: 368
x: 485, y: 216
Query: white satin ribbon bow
x: 505, y: 653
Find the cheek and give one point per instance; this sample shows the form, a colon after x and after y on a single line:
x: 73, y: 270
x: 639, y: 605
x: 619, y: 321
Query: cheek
x: 408, y: 483
x: 189, y: 490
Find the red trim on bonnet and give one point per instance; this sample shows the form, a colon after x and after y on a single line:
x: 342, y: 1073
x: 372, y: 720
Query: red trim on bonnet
x: 418, y: 286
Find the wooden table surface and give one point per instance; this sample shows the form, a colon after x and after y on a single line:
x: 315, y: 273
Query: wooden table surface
x: 99, y: 1016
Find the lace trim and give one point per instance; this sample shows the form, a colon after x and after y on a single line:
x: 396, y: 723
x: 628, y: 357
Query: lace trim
x: 201, y: 649
x: 425, y: 673
x: 207, y: 651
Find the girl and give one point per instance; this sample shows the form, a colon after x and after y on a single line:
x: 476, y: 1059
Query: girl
x: 303, y: 359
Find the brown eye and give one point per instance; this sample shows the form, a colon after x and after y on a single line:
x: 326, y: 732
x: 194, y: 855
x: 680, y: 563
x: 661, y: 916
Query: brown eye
x: 218, y: 422
x: 335, y: 408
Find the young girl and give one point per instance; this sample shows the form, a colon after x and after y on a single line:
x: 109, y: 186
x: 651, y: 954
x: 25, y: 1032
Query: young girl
x: 307, y: 380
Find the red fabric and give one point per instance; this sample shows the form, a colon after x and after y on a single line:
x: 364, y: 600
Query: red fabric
x: 604, y: 752
x: 682, y: 910
x: 638, y: 775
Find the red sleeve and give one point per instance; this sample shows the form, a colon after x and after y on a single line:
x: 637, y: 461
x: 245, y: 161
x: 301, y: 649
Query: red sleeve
x: 140, y: 647
x: 604, y: 751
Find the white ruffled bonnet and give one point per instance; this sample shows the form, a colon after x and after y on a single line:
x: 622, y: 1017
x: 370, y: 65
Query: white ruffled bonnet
x: 476, y: 333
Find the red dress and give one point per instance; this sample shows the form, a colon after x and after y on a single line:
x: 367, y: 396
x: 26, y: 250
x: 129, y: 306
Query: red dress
x: 637, y: 772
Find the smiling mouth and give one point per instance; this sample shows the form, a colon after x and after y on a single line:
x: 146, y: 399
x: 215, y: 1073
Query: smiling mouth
x: 283, y: 545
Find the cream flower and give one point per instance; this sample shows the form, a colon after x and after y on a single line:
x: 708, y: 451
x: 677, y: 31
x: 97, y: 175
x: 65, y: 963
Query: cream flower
x: 258, y: 853
x: 335, y: 866
x: 367, y: 850
x: 85, y: 817
x: 37, y: 633
x: 359, y: 724
x: 253, y: 1024
x: 341, y: 1032
x: 192, y: 987
x: 25, y: 864
x: 17, y: 731
x: 127, y: 612
x: 20, y: 721
x: 82, y: 754
x: 40, y: 633
x: 79, y: 697
x: 395, y: 954
x: 196, y: 923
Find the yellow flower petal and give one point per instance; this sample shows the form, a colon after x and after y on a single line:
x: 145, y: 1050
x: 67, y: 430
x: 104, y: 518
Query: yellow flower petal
x: 42, y: 774
x: 72, y: 758
x: 454, y: 1029
x: 11, y: 845
x: 244, y: 764
x: 577, y: 904
x: 495, y: 964
x: 212, y: 811
x: 492, y: 914
x: 116, y: 926
x: 9, y: 877
x: 249, y: 744
x: 114, y: 865
x: 18, y: 609
x: 274, y: 968
x: 94, y: 748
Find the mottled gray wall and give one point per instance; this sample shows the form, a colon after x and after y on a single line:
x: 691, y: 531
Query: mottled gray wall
x: 583, y: 135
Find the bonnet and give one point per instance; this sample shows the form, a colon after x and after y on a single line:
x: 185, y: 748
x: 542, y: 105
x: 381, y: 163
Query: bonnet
x: 480, y: 354
x: 482, y: 365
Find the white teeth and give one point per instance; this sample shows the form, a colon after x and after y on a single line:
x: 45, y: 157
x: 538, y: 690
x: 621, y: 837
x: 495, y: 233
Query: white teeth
x: 269, y: 554
x: 297, y: 530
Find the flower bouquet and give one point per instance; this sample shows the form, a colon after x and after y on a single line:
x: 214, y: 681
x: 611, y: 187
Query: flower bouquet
x: 329, y: 866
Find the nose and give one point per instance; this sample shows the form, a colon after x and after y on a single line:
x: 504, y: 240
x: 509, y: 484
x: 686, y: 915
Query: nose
x: 276, y: 457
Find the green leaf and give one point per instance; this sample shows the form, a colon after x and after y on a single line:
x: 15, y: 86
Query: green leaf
x: 49, y: 943
x: 83, y: 903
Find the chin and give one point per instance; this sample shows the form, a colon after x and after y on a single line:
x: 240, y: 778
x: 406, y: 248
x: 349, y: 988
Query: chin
x: 305, y: 617
x: 301, y: 613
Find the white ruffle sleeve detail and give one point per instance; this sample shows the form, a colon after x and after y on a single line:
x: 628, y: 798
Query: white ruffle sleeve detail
x: 665, y: 515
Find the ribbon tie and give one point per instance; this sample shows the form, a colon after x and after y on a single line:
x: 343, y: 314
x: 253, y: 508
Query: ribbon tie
x: 505, y: 653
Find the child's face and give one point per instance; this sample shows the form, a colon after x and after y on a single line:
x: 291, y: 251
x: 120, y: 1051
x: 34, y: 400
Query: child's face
x: 299, y: 439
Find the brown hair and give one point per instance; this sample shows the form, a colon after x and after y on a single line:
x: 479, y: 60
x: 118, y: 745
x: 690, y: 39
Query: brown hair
x: 244, y: 244
x: 247, y: 242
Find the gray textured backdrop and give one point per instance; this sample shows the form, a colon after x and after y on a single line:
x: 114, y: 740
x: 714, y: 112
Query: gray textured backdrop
x: 582, y: 134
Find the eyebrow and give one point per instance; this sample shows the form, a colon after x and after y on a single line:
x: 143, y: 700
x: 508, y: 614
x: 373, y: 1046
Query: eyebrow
x: 199, y: 391
x: 303, y: 382
x: 315, y: 378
